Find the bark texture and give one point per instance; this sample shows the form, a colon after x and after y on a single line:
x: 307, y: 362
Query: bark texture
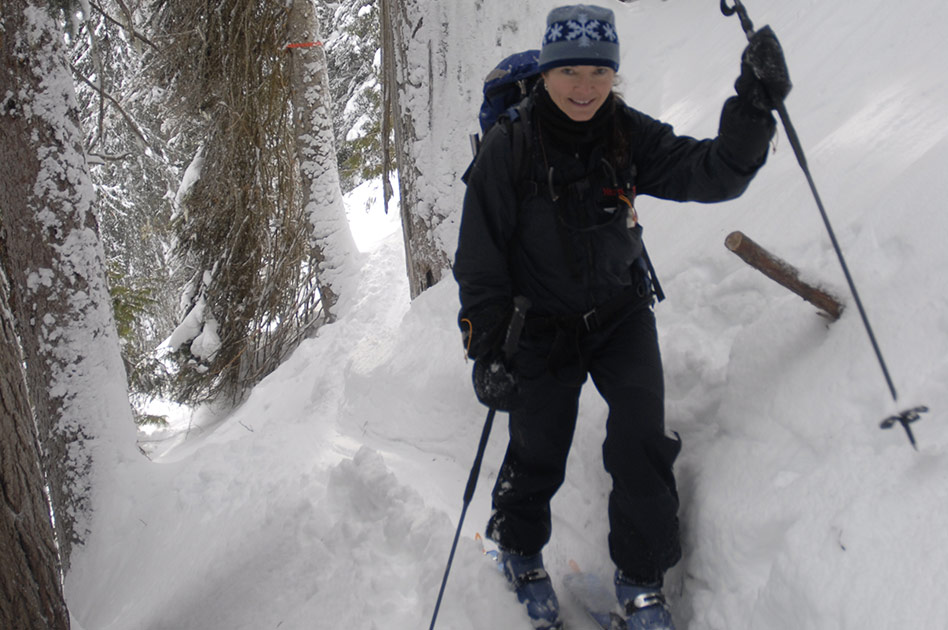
x: 783, y: 274
x: 31, y: 594
x: 411, y: 30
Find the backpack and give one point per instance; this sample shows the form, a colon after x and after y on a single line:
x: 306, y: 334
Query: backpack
x: 505, y: 86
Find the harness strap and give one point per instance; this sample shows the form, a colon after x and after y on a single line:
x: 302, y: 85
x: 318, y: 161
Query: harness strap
x: 595, y: 318
x: 530, y: 576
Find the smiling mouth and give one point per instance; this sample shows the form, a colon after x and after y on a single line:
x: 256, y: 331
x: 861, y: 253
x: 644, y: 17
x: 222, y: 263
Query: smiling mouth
x: 582, y: 103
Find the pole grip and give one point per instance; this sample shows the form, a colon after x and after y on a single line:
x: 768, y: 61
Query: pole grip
x: 738, y: 8
x: 521, y: 306
x: 475, y: 143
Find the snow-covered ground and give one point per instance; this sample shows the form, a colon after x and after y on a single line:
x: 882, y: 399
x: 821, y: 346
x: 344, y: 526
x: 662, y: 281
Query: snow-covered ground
x: 329, y: 499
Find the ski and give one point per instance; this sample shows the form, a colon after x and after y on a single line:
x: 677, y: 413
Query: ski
x: 595, y: 596
x: 490, y: 553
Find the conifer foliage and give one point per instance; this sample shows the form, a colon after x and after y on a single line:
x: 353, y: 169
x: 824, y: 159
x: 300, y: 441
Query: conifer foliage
x: 243, y: 233
x: 353, y: 44
x: 132, y: 157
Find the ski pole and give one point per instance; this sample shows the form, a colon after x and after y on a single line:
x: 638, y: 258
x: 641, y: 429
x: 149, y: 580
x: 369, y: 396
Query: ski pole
x: 910, y: 415
x: 521, y: 305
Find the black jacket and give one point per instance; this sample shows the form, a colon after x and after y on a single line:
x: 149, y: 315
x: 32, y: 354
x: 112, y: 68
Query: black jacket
x: 570, y: 255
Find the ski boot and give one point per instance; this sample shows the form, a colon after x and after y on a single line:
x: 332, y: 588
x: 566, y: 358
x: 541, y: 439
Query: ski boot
x: 643, y: 606
x: 534, y: 588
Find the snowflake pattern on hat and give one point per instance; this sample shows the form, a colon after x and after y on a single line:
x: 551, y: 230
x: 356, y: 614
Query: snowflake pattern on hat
x: 580, y: 35
x: 583, y: 29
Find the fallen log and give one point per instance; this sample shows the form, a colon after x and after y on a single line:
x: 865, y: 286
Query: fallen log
x: 783, y: 274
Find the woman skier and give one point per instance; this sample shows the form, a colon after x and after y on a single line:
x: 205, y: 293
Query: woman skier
x: 549, y: 215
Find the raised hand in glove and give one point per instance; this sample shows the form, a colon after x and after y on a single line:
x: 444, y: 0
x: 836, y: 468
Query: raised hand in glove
x: 765, y: 79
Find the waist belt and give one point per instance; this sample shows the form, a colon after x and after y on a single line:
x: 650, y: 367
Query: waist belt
x: 597, y: 317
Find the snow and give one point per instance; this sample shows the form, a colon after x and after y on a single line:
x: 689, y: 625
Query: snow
x: 329, y: 499
x: 194, y: 328
x: 191, y: 175
x: 208, y: 342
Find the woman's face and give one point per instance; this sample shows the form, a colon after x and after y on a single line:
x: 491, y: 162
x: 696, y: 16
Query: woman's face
x: 579, y: 90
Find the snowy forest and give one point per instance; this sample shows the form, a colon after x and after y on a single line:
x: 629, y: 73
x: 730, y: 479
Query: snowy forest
x: 233, y: 389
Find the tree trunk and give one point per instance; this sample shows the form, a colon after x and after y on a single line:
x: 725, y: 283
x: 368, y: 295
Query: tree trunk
x: 412, y: 31
x: 53, y: 259
x: 432, y: 88
x: 31, y: 594
x: 319, y: 174
x: 388, y: 102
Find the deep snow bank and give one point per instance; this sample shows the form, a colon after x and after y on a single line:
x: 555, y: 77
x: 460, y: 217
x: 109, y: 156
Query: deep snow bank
x: 330, y: 497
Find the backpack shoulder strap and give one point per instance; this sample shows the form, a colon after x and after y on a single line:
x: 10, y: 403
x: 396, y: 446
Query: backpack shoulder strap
x: 521, y: 131
x: 516, y: 122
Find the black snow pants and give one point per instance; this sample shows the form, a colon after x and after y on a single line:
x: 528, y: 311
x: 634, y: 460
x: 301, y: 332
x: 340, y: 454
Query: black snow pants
x: 624, y: 361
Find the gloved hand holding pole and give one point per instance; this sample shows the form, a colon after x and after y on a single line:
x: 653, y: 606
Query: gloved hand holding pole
x: 769, y: 70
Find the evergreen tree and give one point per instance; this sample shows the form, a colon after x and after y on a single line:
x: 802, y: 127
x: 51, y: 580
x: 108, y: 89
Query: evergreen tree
x: 132, y: 163
x: 311, y: 101
x: 431, y: 87
x: 412, y: 31
x: 52, y: 256
x: 243, y: 233
x: 353, y: 50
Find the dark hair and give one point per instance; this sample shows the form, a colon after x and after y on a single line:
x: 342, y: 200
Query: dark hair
x: 618, y: 146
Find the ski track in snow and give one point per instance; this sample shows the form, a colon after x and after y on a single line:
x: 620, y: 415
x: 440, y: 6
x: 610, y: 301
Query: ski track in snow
x: 329, y: 499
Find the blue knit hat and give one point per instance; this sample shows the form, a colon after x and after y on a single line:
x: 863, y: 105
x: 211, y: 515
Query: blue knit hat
x: 580, y: 35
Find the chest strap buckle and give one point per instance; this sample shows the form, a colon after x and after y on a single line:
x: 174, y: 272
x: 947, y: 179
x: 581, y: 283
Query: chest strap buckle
x: 591, y: 320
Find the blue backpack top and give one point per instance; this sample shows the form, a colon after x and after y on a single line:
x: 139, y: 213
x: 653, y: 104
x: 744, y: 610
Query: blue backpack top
x: 507, y: 84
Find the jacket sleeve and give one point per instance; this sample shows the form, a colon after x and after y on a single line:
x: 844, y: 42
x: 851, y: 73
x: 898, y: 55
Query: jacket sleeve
x: 488, y: 222
x: 682, y: 168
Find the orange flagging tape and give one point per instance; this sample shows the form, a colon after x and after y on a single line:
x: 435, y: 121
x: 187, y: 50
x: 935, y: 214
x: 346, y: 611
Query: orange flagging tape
x: 304, y: 45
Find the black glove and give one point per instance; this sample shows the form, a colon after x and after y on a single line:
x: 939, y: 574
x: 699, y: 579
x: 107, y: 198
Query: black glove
x: 495, y: 385
x: 482, y: 329
x: 765, y: 79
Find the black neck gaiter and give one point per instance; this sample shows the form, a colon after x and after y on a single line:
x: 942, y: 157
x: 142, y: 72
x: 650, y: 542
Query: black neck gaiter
x: 570, y: 136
